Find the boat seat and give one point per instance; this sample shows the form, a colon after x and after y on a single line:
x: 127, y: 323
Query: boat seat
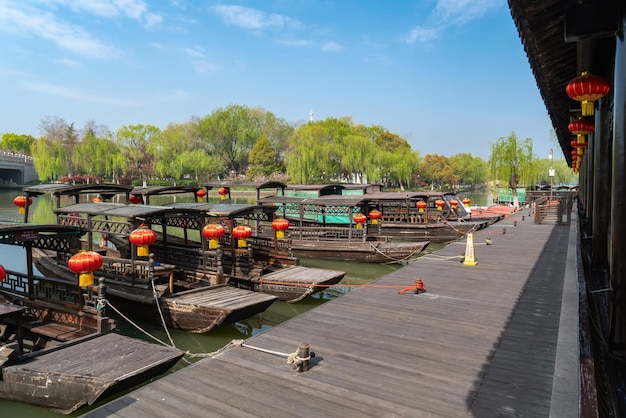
x: 54, y: 331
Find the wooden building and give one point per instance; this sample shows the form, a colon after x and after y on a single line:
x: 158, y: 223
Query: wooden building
x: 564, y: 39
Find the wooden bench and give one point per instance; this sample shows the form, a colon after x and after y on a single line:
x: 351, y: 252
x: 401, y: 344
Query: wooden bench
x: 57, y: 332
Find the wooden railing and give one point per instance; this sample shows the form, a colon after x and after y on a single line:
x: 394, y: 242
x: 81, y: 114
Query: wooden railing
x: 51, y: 300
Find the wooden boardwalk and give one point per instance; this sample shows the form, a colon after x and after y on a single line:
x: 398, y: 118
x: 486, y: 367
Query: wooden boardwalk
x: 483, y: 341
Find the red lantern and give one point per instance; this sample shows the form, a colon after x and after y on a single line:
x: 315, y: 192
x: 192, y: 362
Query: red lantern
x: 20, y: 202
x: 242, y: 233
x: 84, y: 263
x: 200, y: 194
x: 213, y: 232
x: 581, y: 127
x: 454, y: 203
x: 466, y: 201
x: 223, y: 191
x: 360, y: 219
x: 3, y: 273
x: 587, y: 89
x: 142, y: 237
x: 440, y: 204
x: 421, y: 206
x: 375, y: 215
x: 280, y: 225
x: 134, y: 199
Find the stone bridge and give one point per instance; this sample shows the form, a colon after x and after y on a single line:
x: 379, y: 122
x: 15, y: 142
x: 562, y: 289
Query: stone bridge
x: 16, y: 170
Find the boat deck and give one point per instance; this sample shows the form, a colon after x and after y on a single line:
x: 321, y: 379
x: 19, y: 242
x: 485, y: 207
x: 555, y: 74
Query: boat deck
x: 222, y: 297
x: 496, y: 339
x: 82, y: 373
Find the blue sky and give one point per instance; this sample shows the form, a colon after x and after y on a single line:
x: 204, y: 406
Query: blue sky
x: 449, y: 76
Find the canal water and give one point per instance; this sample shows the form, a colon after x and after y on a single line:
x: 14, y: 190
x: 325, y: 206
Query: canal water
x: 14, y: 258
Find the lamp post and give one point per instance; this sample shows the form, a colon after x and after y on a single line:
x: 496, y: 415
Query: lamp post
x: 551, y: 173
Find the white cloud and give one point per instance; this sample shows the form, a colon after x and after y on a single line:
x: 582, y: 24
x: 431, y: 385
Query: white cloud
x: 75, y: 94
x: 295, y: 42
x: 459, y: 12
x: 254, y: 19
x: 420, y: 34
x: 66, y: 36
x: 449, y: 13
x: 332, y: 47
x: 199, y: 61
x: 132, y: 9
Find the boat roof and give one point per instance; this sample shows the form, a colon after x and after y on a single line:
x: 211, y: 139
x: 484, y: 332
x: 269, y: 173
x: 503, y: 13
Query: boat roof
x: 334, y: 188
x: 230, y: 210
x: 245, y: 184
x: 60, y: 189
x: 349, y: 200
x: 164, y: 190
x: 113, y: 209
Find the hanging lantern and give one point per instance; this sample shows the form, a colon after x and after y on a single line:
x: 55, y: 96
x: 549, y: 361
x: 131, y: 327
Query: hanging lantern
x: 466, y: 201
x: 587, y: 89
x: 280, y: 225
x: 143, y: 237
x: 440, y: 204
x: 134, y: 199
x: 3, y: 273
x: 375, y: 215
x: 360, y: 219
x: 421, y: 206
x: 200, y: 194
x: 579, y: 146
x: 454, y: 203
x: 213, y: 232
x: 242, y: 233
x: 223, y: 191
x: 20, y: 202
x: 581, y: 127
x: 84, y: 263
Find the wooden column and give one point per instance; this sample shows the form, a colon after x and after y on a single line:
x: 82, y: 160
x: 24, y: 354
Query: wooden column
x: 617, y: 261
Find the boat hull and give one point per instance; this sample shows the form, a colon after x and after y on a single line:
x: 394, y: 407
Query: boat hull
x: 195, y: 310
x: 367, y: 252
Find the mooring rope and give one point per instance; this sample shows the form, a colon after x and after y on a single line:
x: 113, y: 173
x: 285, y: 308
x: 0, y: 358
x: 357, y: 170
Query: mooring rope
x: 395, y: 260
x: 127, y: 319
x: 187, y: 353
x: 156, y: 299
x: 291, y: 357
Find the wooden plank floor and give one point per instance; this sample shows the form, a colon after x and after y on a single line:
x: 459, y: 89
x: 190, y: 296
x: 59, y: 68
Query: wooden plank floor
x: 482, y: 341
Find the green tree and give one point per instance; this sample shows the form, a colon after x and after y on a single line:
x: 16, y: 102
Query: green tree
x: 48, y: 159
x: 468, y: 169
x: 230, y: 134
x: 264, y: 160
x: 512, y: 161
x: 309, y: 160
x: 435, y: 170
x: 96, y: 156
x: 137, y: 145
x: 17, y: 143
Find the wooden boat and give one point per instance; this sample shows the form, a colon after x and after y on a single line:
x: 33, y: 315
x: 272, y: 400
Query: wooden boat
x: 57, y: 348
x: 191, y: 305
x: 192, y: 259
x: 398, y: 217
x: 253, y: 267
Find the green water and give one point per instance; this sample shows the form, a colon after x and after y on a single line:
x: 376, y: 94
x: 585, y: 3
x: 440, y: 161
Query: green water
x: 14, y: 258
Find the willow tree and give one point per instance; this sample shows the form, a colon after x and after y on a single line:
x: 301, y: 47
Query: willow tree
x: 512, y: 160
x: 137, y: 144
